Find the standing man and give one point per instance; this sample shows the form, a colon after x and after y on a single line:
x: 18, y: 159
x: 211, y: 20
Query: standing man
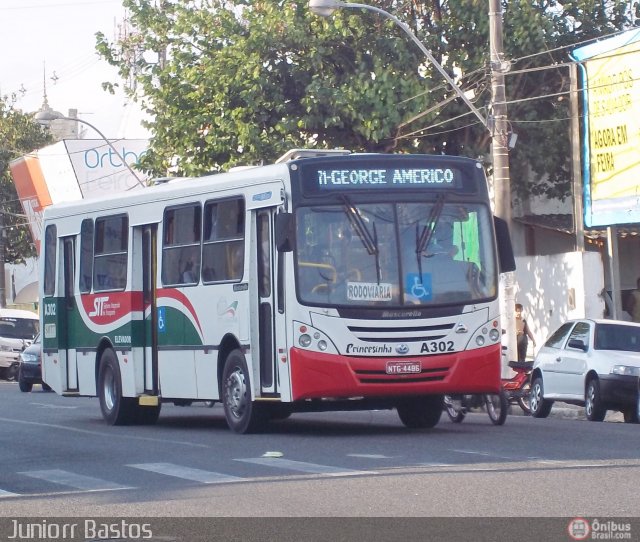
x: 523, y: 334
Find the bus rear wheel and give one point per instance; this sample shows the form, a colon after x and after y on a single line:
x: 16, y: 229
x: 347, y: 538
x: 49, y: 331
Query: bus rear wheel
x: 421, y: 412
x: 242, y: 414
x: 116, y: 409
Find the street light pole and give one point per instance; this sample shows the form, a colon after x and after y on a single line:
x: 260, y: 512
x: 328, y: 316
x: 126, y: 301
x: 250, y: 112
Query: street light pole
x: 46, y: 116
x: 325, y: 8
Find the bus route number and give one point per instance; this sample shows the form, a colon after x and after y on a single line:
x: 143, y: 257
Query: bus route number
x: 433, y: 347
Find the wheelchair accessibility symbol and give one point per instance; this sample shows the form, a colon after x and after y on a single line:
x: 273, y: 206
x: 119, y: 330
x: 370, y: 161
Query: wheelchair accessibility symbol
x: 418, y: 287
x: 162, y: 322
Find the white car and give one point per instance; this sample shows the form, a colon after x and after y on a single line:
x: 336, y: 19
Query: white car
x: 17, y: 330
x: 592, y: 363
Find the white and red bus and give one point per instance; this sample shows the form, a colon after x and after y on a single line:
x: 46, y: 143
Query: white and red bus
x: 326, y: 281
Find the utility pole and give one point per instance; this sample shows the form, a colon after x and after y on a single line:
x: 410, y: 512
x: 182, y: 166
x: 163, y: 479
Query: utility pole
x: 500, y: 160
x: 3, y: 297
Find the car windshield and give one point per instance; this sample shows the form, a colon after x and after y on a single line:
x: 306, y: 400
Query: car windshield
x: 617, y: 337
x: 18, y: 328
x: 386, y: 254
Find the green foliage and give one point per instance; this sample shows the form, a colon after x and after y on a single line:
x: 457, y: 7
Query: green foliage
x: 242, y: 83
x: 19, y: 135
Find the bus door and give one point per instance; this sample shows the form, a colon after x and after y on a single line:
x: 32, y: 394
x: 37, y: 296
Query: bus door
x: 144, y: 270
x: 68, y: 321
x: 270, y: 320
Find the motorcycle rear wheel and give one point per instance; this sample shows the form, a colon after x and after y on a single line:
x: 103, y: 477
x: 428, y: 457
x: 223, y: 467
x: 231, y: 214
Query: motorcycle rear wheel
x: 497, y: 407
x: 523, y: 402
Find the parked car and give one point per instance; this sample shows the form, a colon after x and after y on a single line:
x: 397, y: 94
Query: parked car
x: 30, y: 371
x: 17, y: 330
x: 592, y: 363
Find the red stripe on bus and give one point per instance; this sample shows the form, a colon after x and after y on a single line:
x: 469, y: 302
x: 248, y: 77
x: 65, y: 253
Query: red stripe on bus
x: 109, y: 307
x: 316, y: 375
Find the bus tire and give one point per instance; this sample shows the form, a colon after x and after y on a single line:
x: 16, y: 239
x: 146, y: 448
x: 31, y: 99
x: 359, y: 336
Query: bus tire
x: 147, y: 415
x: 421, y: 412
x: 116, y: 410
x: 242, y: 414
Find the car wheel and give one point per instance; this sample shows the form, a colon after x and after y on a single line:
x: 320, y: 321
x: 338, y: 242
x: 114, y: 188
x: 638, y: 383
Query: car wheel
x: 593, y: 408
x: 421, y: 412
x: 116, y: 410
x: 631, y: 415
x: 11, y: 373
x: 25, y: 386
x: 242, y: 414
x: 540, y: 407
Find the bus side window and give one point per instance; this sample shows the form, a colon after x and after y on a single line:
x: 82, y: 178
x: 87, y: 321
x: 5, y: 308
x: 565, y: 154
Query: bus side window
x: 181, y: 245
x: 223, y: 244
x: 111, y: 238
x: 50, y: 241
x: 86, y: 255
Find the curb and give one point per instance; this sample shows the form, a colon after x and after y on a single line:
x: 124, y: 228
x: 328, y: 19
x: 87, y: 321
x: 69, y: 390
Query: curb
x: 569, y: 412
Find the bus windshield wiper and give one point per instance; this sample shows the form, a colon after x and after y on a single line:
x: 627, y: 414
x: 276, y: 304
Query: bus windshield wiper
x: 369, y: 240
x: 424, y: 238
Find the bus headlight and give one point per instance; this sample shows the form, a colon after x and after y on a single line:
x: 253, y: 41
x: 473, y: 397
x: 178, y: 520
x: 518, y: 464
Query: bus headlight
x: 310, y: 338
x: 488, y: 334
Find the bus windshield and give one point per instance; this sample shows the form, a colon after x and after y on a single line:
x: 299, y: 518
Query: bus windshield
x: 395, y: 254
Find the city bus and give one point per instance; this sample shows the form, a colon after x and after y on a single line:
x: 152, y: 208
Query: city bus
x: 326, y: 281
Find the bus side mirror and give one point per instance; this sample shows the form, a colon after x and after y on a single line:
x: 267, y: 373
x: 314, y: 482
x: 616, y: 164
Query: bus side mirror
x: 285, y: 232
x: 505, y: 249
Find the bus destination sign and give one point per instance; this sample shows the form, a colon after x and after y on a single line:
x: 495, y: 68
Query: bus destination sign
x: 359, y: 178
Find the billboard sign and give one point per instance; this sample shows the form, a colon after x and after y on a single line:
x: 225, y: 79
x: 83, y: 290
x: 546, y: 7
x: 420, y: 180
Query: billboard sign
x: 74, y: 169
x: 611, y: 137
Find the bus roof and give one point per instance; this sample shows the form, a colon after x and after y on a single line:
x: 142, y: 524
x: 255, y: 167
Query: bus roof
x: 175, y: 189
x: 183, y: 187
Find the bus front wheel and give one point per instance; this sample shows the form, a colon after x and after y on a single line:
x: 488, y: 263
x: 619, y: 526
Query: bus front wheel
x: 421, y: 412
x: 242, y: 414
x: 116, y: 409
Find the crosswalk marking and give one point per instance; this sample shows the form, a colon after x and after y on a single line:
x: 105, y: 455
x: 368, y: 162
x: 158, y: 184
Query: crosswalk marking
x: 301, y: 466
x: 188, y: 473
x: 77, y: 481
x: 88, y: 483
x: 371, y: 456
x: 4, y: 493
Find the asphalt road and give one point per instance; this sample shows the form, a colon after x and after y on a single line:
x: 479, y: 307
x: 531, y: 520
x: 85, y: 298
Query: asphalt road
x: 60, y: 459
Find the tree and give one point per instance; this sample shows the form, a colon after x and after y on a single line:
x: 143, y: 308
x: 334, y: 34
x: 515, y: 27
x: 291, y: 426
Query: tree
x: 20, y: 134
x: 243, y: 83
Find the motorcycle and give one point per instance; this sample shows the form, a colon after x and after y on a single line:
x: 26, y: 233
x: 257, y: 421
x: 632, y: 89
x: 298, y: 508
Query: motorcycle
x: 496, y: 405
x: 517, y: 388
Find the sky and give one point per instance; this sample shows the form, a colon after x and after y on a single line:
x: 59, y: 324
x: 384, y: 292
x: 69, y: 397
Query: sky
x: 53, y: 42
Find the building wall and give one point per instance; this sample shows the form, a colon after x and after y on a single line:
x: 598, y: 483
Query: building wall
x: 553, y: 288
